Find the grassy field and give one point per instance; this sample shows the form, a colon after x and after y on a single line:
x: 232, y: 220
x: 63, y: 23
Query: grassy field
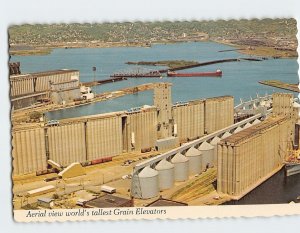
x: 30, y: 52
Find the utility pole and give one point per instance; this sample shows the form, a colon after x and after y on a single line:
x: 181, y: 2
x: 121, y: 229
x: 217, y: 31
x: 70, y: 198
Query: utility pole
x: 94, y: 70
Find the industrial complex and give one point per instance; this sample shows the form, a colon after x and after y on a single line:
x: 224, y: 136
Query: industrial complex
x: 199, y: 152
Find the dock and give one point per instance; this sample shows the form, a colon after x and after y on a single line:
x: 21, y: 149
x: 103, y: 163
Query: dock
x: 104, y: 81
x: 282, y: 85
x: 208, y: 63
x: 18, y: 115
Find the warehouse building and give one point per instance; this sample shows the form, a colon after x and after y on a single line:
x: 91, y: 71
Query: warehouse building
x: 251, y: 156
x: 109, y: 201
x: 58, y: 86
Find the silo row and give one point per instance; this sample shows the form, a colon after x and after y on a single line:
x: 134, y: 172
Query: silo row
x: 178, y: 169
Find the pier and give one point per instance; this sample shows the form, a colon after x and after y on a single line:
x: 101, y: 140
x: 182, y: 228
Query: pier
x: 104, y: 81
x: 143, y: 73
x: 208, y: 63
x: 21, y: 114
x: 282, y: 85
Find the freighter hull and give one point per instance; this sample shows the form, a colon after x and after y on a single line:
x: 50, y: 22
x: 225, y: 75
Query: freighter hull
x: 218, y: 73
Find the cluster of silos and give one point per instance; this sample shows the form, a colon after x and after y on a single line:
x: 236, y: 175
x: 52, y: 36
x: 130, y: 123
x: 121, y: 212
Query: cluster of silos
x: 166, y: 173
x: 178, y: 168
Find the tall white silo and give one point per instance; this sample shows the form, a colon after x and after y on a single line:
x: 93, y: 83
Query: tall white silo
x: 148, y: 179
x: 181, y: 167
x: 165, y: 174
x: 195, y: 160
x: 214, y: 142
x: 207, y: 155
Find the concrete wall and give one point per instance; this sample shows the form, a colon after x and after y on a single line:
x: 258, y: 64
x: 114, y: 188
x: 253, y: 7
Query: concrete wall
x: 44, y: 79
x: 246, y: 158
x: 38, y: 82
x: 163, y: 101
x: 141, y: 129
x: 71, y: 84
x: 58, y: 97
x: 29, y: 153
x: 67, y: 143
x: 21, y: 85
x: 282, y: 103
x: 104, y: 137
x: 189, y: 120
x: 219, y: 113
x: 26, y: 101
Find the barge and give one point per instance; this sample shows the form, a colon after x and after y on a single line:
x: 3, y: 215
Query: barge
x: 292, y: 169
x: 151, y: 74
x: 217, y: 73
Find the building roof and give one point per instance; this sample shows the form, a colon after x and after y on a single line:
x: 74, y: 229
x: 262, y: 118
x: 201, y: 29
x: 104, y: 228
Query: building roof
x: 41, y: 74
x: 148, y: 172
x: 251, y: 131
x: 45, y: 199
x: 165, y: 202
x: 107, y: 201
x: 53, y: 72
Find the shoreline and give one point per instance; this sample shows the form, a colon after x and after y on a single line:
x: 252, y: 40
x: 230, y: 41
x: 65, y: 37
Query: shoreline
x: 263, y: 51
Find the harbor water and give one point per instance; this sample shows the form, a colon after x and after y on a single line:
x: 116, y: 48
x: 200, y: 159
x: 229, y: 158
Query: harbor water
x: 278, y: 189
x: 240, y: 79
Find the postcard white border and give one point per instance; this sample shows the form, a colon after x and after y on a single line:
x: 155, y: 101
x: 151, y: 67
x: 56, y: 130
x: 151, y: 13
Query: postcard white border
x: 32, y: 11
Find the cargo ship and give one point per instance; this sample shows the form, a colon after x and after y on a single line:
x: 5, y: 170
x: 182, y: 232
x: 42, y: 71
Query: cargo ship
x: 217, y: 73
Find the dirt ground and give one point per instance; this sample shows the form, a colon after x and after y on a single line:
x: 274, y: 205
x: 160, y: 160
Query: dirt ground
x: 197, y: 190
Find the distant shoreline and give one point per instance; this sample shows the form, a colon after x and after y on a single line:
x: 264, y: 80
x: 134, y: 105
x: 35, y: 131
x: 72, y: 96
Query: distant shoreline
x: 38, y: 50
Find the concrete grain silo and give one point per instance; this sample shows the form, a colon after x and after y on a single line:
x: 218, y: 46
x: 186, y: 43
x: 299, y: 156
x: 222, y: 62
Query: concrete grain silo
x: 247, y: 126
x: 214, y: 142
x: 238, y: 129
x: 226, y: 135
x: 256, y: 122
x: 181, y: 167
x: 165, y: 174
x: 195, y: 160
x: 148, y: 178
x: 207, y: 155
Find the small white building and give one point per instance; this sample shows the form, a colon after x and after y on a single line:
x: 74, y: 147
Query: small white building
x: 86, y: 93
x: 45, y: 202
